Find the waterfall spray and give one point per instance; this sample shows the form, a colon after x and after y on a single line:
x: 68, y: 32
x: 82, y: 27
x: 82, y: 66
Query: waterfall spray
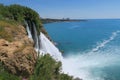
x: 46, y: 46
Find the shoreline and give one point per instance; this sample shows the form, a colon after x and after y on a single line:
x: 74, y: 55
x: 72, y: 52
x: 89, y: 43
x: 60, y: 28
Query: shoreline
x: 48, y: 20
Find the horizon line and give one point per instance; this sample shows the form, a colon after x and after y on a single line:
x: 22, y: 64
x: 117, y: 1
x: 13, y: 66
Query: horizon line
x: 75, y: 18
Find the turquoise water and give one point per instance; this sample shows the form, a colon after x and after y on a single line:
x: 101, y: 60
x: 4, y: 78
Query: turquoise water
x: 93, y: 46
x: 81, y: 36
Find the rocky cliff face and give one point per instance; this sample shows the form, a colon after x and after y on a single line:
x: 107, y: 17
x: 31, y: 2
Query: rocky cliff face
x: 17, y: 54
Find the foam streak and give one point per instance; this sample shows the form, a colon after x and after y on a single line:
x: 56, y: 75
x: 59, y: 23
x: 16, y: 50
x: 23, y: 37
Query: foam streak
x: 112, y: 37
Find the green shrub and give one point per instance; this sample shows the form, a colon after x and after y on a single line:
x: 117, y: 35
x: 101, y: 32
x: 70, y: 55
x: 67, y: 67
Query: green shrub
x: 65, y: 77
x: 20, y: 14
x: 4, y: 75
x: 46, y: 69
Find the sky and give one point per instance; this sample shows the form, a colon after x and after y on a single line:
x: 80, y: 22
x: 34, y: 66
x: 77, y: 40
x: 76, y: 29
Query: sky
x: 75, y: 9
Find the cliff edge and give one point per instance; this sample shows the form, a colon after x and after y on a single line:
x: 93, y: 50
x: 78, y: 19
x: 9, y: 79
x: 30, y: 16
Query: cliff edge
x: 17, y: 53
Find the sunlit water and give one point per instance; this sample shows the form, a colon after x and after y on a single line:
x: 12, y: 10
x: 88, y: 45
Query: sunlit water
x: 91, y: 48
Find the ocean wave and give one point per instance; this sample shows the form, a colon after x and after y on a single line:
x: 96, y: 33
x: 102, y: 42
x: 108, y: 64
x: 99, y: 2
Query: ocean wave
x: 102, y: 44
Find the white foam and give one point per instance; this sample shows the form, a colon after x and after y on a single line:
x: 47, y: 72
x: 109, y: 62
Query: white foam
x: 82, y: 65
x: 46, y: 46
x: 112, y: 37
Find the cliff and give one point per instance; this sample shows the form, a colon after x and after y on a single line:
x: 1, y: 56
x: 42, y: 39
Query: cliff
x: 19, y: 59
x: 16, y: 50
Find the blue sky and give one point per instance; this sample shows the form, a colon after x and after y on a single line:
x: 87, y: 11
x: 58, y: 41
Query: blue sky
x: 80, y: 9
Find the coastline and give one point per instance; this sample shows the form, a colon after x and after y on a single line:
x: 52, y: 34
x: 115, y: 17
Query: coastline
x: 48, y: 20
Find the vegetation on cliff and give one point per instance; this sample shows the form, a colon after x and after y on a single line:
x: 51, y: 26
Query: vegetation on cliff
x: 20, y: 14
x: 5, y: 75
x: 6, y: 30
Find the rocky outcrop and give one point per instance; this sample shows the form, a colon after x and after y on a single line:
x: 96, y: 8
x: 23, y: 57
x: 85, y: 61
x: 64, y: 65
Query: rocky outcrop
x: 18, y: 56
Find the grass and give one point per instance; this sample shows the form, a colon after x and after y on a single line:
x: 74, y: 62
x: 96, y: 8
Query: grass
x: 3, y: 33
x: 4, y: 75
x: 6, y: 28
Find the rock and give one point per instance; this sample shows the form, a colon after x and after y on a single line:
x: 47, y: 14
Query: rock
x: 18, y: 56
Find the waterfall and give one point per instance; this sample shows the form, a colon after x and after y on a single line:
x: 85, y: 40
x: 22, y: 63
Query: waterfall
x: 32, y: 34
x: 46, y: 46
x: 36, y: 38
x: 28, y: 30
x: 42, y: 44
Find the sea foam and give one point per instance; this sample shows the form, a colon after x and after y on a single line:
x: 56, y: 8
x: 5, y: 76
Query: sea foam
x: 89, y: 65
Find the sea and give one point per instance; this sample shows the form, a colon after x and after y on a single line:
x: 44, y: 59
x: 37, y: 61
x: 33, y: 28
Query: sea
x: 91, y: 48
